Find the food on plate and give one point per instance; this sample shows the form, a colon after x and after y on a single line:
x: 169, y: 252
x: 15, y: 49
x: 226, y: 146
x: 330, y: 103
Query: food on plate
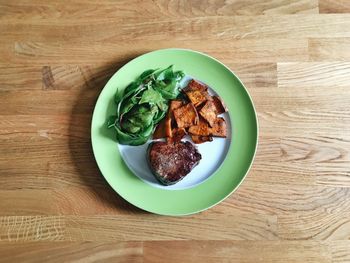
x: 174, y: 104
x: 143, y: 104
x: 197, y: 115
x: 201, y: 139
x: 171, y: 162
x: 195, y: 85
x: 196, y: 92
x: 219, y: 128
x: 209, y: 112
x: 186, y: 116
x: 219, y: 105
x: 201, y: 129
x: 159, y: 132
x: 177, y: 135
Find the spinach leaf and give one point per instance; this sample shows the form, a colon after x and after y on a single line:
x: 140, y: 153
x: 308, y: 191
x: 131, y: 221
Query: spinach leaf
x: 165, y: 74
x: 132, y: 86
x: 141, y: 116
x: 179, y: 75
x: 118, y: 96
x: 169, y: 91
x: 159, y: 116
x: 146, y: 73
x: 151, y: 96
x: 143, y: 104
x: 111, y: 121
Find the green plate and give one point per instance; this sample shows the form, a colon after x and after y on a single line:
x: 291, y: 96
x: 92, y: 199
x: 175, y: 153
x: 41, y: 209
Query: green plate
x: 218, y: 186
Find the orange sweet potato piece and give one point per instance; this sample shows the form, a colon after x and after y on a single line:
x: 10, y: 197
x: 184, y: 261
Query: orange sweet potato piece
x: 196, y: 97
x: 174, y: 104
x: 219, y: 128
x: 201, y: 139
x: 178, y: 134
x: 201, y: 129
x: 186, y: 116
x: 209, y: 112
x: 219, y: 104
x: 167, y: 126
x: 196, y: 92
x: 195, y: 85
x: 159, y: 132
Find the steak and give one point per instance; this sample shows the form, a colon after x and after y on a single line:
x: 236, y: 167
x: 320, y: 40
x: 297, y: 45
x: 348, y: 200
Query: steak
x: 171, y: 162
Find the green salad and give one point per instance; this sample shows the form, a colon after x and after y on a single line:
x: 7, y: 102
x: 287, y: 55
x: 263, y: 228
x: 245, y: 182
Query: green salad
x: 143, y: 104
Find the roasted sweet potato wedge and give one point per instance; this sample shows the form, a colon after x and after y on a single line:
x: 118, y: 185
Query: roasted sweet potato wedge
x: 186, y: 116
x: 219, y: 128
x: 201, y: 139
x: 208, y: 112
x: 160, y: 130
x: 195, y: 85
x: 167, y: 127
x: 219, y: 104
x: 175, y: 104
x: 196, y: 97
x: 201, y: 129
x: 178, y: 134
x: 196, y: 92
x: 169, y: 119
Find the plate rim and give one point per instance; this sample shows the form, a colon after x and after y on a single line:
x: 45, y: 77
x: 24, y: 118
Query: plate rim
x: 256, y: 139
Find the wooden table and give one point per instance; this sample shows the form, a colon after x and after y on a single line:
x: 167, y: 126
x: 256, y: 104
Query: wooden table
x: 293, y: 56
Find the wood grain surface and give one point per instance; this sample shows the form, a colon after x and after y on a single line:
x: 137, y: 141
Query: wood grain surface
x: 294, y: 58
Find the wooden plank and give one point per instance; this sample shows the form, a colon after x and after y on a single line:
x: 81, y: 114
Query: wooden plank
x: 311, y: 99
x: 336, y: 174
x: 232, y: 251
x: 340, y: 251
x: 27, y: 175
x: 23, y: 170
x: 262, y: 50
x: 315, y: 225
x: 117, y: 228
x: 92, y: 200
x: 56, y: 77
x: 318, y: 75
x: 329, y: 49
x: 46, y: 152
x: 152, y: 227
x: 181, y: 28
x: 334, y: 7
x: 32, y: 228
x: 43, y: 128
x: 58, y: 103
x: 37, y: 10
x: 330, y: 156
x: 72, y: 252
x: 269, y: 149
x: 316, y: 150
x: 189, y: 251
x: 12, y: 77
x: 298, y: 123
x: 58, y: 200
x: 27, y: 202
x: 287, y: 199
x: 255, y: 75
x: 275, y: 173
